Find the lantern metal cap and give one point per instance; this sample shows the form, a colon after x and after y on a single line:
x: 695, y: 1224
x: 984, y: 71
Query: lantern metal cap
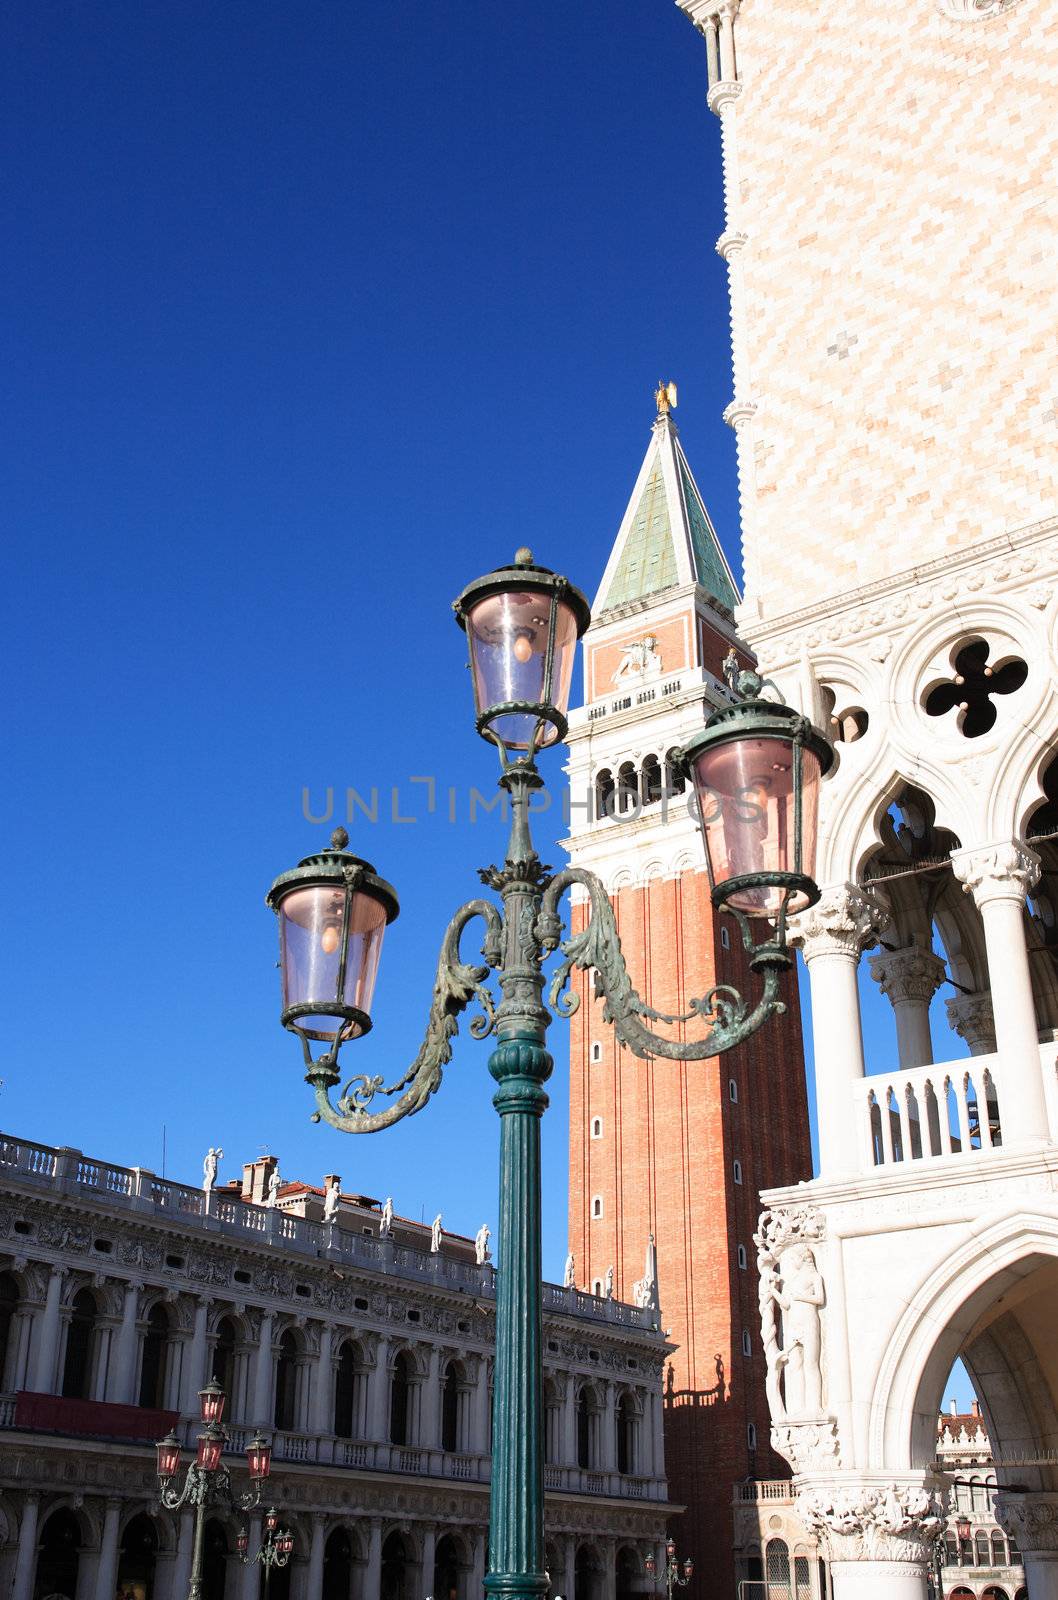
x: 754, y: 718
x: 334, y: 866
x: 524, y: 573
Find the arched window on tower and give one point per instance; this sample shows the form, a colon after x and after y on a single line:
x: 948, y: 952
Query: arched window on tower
x: 675, y: 782
x: 777, y: 1568
x: 604, y: 794
x: 651, y: 781
x: 628, y: 803
x: 596, y: 1206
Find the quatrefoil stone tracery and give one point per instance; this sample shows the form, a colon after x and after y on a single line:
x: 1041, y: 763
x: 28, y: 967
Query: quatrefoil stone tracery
x: 973, y: 686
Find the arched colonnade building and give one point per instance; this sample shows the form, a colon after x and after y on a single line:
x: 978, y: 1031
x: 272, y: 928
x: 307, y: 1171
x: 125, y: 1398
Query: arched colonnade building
x: 366, y: 1358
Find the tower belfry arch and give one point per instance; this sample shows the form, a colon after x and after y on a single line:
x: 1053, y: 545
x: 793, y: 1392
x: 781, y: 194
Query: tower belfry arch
x: 893, y: 374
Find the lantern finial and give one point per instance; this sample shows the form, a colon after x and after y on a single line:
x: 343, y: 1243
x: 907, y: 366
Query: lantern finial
x: 523, y: 556
x: 339, y: 839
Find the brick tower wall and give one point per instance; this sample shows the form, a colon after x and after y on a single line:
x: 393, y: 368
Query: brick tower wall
x: 671, y: 1134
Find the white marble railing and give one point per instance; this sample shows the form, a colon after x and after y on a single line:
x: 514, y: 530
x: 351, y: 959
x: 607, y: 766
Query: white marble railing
x: 952, y: 1108
x: 761, y: 1489
x: 70, y: 1172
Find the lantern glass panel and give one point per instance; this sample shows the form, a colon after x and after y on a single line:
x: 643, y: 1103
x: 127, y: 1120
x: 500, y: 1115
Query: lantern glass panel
x: 168, y: 1458
x: 285, y: 1542
x: 242, y: 1542
x: 209, y: 1450
x: 271, y: 1521
x: 258, y: 1458
x: 509, y: 635
x: 747, y: 800
x: 211, y: 1402
x: 651, y: 1566
x: 310, y: 922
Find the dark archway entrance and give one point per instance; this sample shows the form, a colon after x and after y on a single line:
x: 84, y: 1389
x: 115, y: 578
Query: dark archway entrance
x: 214, y: 1562
x: 337, y: 1566
x: 138, y: 1559
x: 60, y: 1556
x: 395, y: 1583
x: 446, y: 1569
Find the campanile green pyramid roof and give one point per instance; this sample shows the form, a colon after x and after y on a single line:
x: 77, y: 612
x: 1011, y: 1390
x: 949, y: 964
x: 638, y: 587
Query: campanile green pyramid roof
x: 666, y: 538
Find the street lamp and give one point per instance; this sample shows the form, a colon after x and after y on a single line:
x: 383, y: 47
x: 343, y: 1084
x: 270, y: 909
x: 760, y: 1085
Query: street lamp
x: 671, y: 1575
x: 276, y: 1550
x: 208, y: 1481
x: 756, y: 766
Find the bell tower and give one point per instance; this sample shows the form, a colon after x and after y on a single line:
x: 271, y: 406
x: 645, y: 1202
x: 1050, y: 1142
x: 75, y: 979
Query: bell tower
x: 675, y: 1150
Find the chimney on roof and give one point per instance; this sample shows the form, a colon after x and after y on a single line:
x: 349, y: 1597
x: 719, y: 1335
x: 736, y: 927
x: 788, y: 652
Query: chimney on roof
x: 953, y: 1408
x: 329, y: 1178
x: 975, y: 1408
x: 255, y: 1176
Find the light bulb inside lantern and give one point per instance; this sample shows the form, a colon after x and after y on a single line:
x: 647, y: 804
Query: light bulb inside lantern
x: 523, y: 648
x: 329, y: 940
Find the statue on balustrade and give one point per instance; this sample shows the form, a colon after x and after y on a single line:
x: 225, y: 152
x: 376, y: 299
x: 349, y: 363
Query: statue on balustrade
x: 330, y: 1201
x: 385, y: 1221
x: 435, y: 1235
x: 209, y: 1167
x: 481, y: 1244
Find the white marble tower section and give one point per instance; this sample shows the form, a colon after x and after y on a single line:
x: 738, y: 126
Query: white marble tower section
x: 890, y: 235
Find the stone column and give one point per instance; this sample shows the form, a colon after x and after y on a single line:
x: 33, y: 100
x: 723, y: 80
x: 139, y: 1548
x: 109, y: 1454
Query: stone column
x: 26, y: 1560
x: 430, y: 1433
x: 998, y: 878
x: 569, y: 1576
x: 107, y: 1568
x: 429, y: 1559
x: 831, y: 935
x: 248, y: 1586
x: 727, y: 12
x: 378, y: 1399
x: 314, y: 1586
x: 569, y: 1423
x: 322, y: 1415
x: 195, y: 1371
x: 480, y: 1426
x: 373, y: 1576
x: 970, y: 1015
x: 263, y: 1404
x: 44, y: 1374
x: 608, y: 1423
x: 910, y: 978
x: 878, y: 1536
x: 185, y: 1541
x: 1032, y: 1519
x: 123, y: 1383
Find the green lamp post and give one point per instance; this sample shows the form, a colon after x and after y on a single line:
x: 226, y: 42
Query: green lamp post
x: 756, y: 766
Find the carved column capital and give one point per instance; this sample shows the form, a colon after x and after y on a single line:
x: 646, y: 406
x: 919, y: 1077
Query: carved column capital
x: 893, y: 1521
x: 1001, y: 872
x: 842, y: 922
x: 1032, y: 1519
x: 911, y: 974
x: 971, y: 1017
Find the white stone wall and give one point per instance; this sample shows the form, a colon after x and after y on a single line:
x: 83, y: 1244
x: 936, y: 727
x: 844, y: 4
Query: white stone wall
x: 891, y: 231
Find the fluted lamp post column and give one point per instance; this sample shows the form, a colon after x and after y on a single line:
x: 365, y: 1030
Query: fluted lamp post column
x: 208, y: 1482
x: 756, y: 766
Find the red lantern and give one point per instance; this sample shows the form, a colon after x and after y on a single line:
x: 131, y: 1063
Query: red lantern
x: 168, y: 1457
x: 651, y: 1566
x: 259, y: 1457
x: 688, y: 1569
x: 211, y: 1402
x: 670, y: 1549
x: 285, y: 1543
x: 271, y: 1519
x: 210, y: 1445
x: 962, y: 1528
x: 242, y: 1542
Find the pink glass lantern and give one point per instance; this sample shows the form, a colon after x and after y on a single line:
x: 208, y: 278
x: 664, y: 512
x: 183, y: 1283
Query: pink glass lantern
x: 271, y: 1519
x: 210, y: 1445
x: 650, y: 1565
x: 259, y: 1457
x: 688, y: 1569
x: 285, y: 1543
x: 522, y: 624
x: 670, y: 1549
x: 211, y: 1402
x: 756, y: 767
x: 242, y: 1542
x: 333, y: 910
x: 168, y: 1451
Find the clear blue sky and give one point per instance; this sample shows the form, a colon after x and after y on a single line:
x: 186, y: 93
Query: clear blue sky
x: 312, y: 313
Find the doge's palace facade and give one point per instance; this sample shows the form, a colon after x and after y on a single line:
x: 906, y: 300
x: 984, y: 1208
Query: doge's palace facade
x: 364, y: 1354
x: 890, y: 237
